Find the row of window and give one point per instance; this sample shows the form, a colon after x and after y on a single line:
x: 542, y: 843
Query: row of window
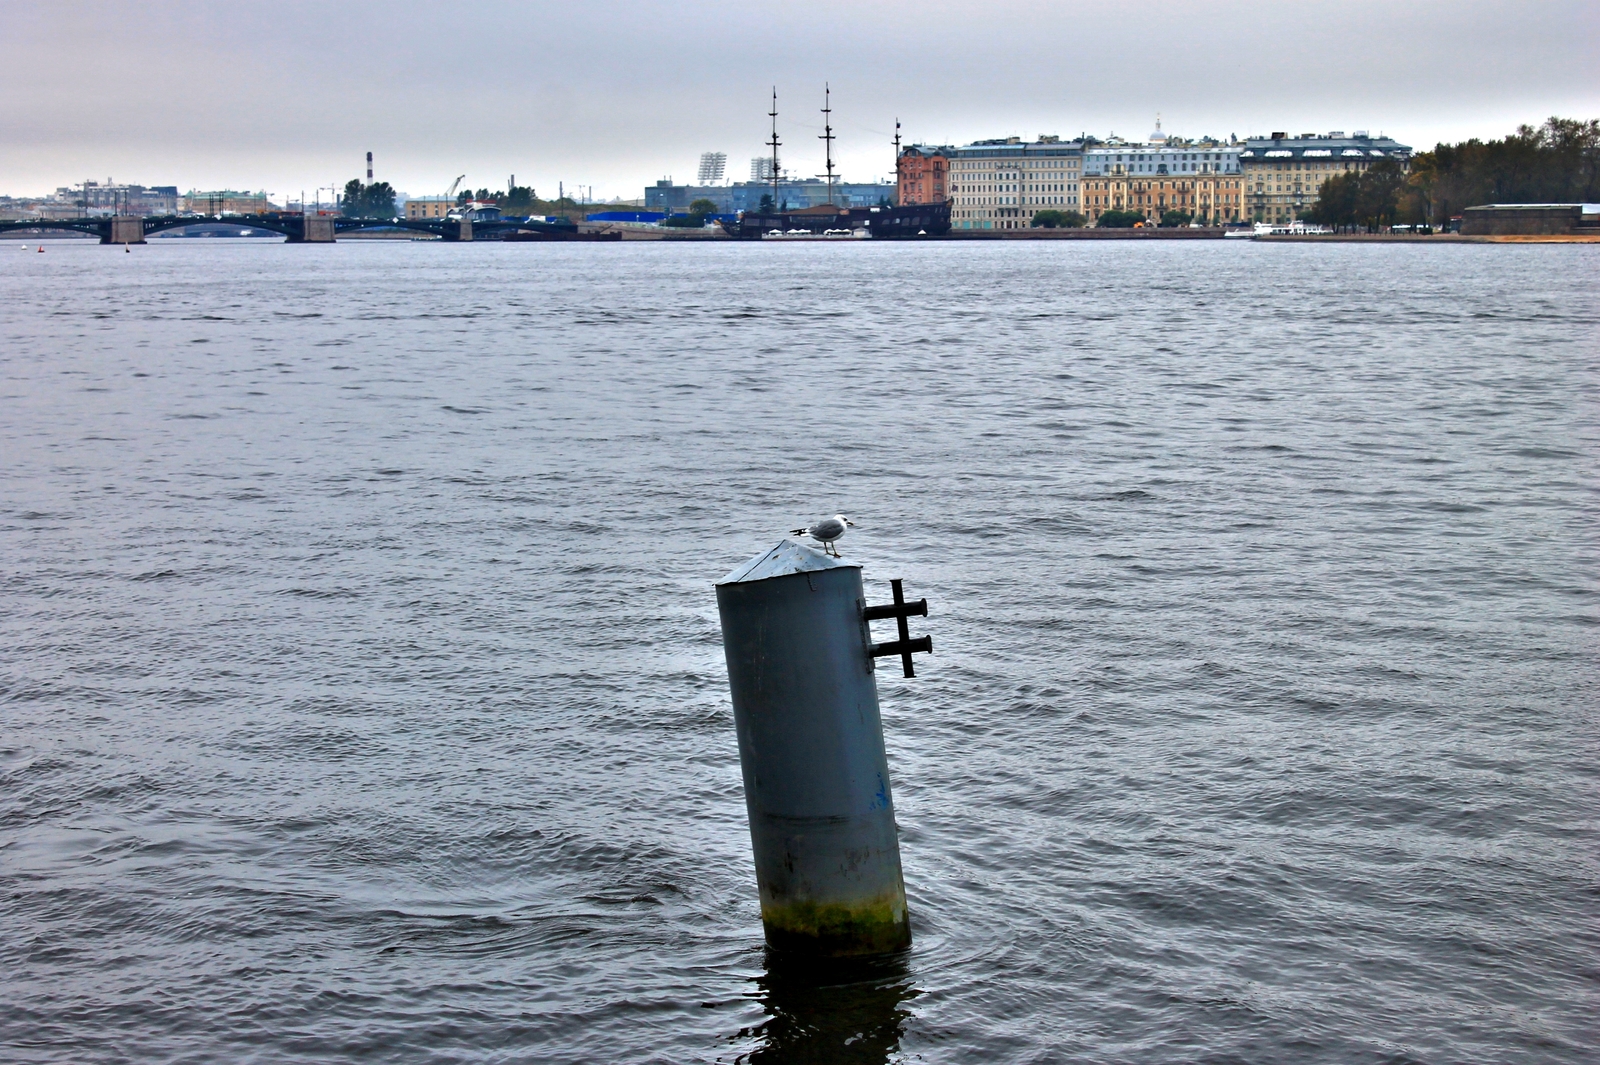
x: 1161, y: 168
x: 1129, y: 157
x: 979, y: 164
x: 1219, y: 179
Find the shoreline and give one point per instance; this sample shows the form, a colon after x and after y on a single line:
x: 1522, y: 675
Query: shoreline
x: 635, y: 235
x: 1435, y: 238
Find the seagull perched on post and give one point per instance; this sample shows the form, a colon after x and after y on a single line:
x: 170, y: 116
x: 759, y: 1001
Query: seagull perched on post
x: 827, y: 531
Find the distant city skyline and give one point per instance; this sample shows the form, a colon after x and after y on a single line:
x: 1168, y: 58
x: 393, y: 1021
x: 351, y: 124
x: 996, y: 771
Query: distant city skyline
x: 616, y: 96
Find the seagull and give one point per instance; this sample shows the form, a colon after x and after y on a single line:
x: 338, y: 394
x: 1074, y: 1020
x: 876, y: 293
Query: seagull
x: 827, y: 531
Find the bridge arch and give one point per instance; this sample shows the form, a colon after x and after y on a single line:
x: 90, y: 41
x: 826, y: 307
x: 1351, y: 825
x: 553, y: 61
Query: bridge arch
x: 76, y: 225
x: 153, y: 226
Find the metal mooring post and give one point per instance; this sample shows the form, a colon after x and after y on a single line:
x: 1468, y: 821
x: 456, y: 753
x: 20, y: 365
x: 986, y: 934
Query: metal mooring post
x: 816, y: 782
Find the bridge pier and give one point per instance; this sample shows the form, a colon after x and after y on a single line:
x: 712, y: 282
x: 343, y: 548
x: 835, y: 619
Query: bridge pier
x: 124, y: 229
x: 466, y: 231
x: 314, y: 231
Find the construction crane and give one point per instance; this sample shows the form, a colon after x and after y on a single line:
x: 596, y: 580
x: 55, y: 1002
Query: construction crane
x: 450, y: 193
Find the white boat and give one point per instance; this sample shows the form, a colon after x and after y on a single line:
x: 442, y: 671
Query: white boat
x: 1288, y: 229
x: 860, y: 233
x: 1277, y: 229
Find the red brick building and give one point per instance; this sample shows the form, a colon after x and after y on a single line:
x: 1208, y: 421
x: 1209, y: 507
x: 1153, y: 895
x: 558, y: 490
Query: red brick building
x: 924, y: 174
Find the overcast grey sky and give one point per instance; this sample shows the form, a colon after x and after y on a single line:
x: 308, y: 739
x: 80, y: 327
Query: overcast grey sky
x: 617, y: 93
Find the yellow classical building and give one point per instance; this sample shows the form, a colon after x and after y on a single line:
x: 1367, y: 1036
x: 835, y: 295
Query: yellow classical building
x: 1283, y: 175
x: 1164, y: 174
x: 429, y: 207
x: 224, y: 201
x: 1209, y: 198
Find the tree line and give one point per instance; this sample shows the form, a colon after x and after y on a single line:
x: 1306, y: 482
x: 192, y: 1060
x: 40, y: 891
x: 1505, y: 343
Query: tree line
x: 377, y: 200
x: 1558, y: 162
x: 367, y: 201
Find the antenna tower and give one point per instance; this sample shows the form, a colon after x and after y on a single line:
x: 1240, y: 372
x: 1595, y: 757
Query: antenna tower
x: 774, y: 142
x: 897, y: 151
x: 827, y: 135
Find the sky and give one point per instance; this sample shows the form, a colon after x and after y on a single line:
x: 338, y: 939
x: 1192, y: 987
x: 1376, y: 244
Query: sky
x: 616, y: 94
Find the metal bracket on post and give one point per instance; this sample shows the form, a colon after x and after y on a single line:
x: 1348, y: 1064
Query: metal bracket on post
x: 905, y: 646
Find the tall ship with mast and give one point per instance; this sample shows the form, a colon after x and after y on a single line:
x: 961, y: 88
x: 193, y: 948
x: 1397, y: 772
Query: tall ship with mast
x: 830, y: 220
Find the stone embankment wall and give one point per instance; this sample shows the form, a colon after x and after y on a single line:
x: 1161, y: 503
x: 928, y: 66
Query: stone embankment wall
x: 1499, y: 220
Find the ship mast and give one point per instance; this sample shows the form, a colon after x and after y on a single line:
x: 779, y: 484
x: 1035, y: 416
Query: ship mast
x: 827, y: 135
x: 897, y: 158
x: 774, y: 142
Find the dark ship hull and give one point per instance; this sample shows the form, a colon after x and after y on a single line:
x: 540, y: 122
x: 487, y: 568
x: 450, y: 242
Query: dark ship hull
x: 534, y: 230
x: 915, y: 220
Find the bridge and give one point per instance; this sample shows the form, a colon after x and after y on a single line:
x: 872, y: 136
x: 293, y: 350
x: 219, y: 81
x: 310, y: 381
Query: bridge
x: 299, y: 229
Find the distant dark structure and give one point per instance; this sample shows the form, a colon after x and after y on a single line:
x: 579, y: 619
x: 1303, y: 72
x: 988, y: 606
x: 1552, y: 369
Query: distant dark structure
x: 1530, y: 219
x: 919, y: 220
x: 301, y: 229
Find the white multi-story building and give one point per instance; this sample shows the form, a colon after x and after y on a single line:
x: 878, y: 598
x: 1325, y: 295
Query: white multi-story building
x: 112, y: 198
x: 1186, y: 159
x: 1002, y: 184
x: 712, y: 165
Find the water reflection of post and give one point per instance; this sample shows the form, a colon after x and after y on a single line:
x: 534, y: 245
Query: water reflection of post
x: 849, y: 1011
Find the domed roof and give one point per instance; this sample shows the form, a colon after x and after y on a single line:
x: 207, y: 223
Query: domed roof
x: 1158, y: 137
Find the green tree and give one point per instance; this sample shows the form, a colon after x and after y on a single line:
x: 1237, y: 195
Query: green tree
x: 1558, y: 162
x: 1172, y: 219
x: 518, y: 200
x: 1366, y: 199
x: 1378, y: 198
x: 1337, y: 202
x: 368, y: 201
x: 698, y: 210
x: 765, y: 206
x: 1119, y: 219
x: 1052, y: 219
x: 1416, y: 195
x: 380, y: 200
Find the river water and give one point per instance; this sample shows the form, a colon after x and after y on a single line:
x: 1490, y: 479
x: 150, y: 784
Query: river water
x: 363, y: 698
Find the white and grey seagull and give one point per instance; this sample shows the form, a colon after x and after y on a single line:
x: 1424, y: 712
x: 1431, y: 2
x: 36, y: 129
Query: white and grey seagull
x: 827, y: 531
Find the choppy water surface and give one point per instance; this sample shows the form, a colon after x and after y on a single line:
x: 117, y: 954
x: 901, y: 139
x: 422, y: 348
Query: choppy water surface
x: 363, y: 696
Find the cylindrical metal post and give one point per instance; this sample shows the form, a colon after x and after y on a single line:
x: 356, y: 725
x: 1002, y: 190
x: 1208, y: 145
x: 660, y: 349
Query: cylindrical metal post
x: 816, y: 781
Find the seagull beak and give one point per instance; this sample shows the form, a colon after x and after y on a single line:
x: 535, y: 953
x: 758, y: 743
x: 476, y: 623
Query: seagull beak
x: 850, y: 523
